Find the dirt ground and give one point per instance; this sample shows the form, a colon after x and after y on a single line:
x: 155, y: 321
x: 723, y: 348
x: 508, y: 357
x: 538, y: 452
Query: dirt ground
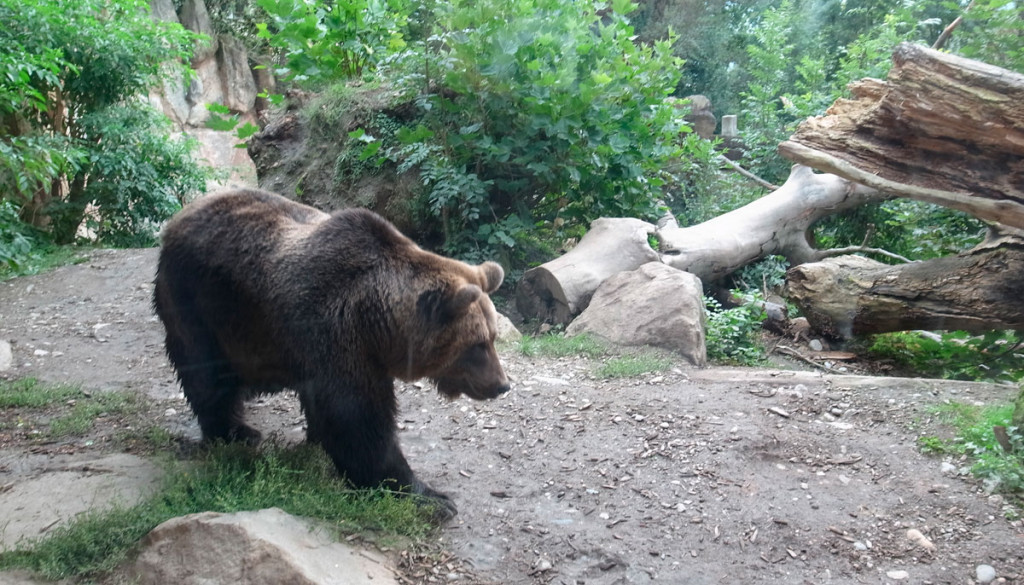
x: 688, y: 476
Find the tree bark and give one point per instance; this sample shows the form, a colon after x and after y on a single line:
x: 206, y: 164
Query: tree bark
x: 559, y: 290
x: 978, y: 290
x: 778, y: 223
x: 941, y: 129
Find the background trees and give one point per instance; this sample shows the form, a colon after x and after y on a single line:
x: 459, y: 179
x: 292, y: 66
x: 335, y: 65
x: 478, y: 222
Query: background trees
x: 75, y: 130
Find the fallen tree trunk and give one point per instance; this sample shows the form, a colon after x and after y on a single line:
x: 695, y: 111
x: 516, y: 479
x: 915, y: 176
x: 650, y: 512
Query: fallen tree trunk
x: 559, y: 290
x: 941, y: 129
x: 978, y: 290
x: 777, y: 223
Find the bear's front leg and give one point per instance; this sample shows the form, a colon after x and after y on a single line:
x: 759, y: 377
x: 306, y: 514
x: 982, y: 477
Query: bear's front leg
x: 360, y: 438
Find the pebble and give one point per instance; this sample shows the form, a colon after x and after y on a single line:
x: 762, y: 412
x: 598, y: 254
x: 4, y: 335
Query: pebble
x: 897, y: 575
x: 816, y: 345
x: 915, y: 536
x: 948, y: 468
x: 985, y: 573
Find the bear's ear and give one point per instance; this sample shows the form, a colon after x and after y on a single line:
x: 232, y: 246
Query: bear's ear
x: 492, y: 274
x: 458, y: 304
x: 437, y: 306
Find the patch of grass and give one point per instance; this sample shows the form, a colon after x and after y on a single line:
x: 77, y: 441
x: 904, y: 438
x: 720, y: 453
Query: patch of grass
x: 555, y: 345
x: 64, y: 409
x: 43, y: 258
x: 956, y: 355
x: 1000, y: 470
x: 86, y: 410
x: 31, y: 393
x: 627, y: 366
x: 228, y: 478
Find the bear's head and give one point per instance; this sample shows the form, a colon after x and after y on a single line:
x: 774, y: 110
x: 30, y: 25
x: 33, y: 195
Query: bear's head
x: 452, y: 338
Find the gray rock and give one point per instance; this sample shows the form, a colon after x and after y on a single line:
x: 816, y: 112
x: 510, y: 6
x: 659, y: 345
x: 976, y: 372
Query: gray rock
x: 268, y: 547
x: 507, y: 332
x: 654, y: 305
x: 985, y: 573
x: 195, y: 17
x: 236, y: 76
x: 6, y: 356
x: 163, y: 10
x: 36, y: 504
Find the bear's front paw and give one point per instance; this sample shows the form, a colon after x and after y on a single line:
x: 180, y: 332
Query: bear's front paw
x: 442, y: 507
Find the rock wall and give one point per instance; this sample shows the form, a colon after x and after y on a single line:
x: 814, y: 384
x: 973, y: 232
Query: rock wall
x: 222, y: 76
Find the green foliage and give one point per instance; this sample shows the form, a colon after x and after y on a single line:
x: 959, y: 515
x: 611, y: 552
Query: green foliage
x: 63, y: 66
x: 325, y: 41
x: 229, y: 478
x: 31, y: 393
x: 556, y: 345
x: 138, y: 174
x: 732, y: 333
x: 538, y: 109
x: 57, y: 411
x: 992, y: 32
x: 916, y: 230
x: 999, y: 470
x: 958, y: 355
x: 631, y: 365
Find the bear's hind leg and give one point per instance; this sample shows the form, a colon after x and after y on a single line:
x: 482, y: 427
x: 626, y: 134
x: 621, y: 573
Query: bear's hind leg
x: 212, y: 388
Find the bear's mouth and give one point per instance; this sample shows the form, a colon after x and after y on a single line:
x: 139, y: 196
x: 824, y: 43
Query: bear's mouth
x: 452, y: 388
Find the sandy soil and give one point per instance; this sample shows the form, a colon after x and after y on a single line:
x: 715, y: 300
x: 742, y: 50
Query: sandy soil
x: 686, y: 476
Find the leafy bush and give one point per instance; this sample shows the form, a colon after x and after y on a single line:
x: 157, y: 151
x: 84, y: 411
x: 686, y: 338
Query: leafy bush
x: 957, y: 355
x: 322, y: 41
x: 64, y: 67
x: 731, y: 333
x: 537, y: 110
x: 139, y: 174
x: 1000, y: 470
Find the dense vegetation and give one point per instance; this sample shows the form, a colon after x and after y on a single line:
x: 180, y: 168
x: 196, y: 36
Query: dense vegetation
x: 522, y: 119
x: 75, y: 135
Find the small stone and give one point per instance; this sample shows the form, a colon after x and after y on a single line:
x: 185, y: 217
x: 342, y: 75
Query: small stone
x: 915, y: 536
x: 40, y: 352
x: 6, y: 355
x: 816, y: 345
x: 170, y: 412
x: 985, y: 573
x: 860, y: 545
x: 948, y: 468
x: 897, y: 575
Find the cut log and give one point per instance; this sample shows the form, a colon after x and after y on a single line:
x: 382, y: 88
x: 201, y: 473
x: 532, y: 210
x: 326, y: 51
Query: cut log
x: 941, y: 129
x: 978, y: 290
x: 777, y: 223
x: 559, y: 290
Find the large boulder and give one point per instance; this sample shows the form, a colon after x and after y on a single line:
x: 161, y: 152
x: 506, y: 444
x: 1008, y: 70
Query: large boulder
x: 654, y: 305
x: 236, y: 76
x: 267, y: 547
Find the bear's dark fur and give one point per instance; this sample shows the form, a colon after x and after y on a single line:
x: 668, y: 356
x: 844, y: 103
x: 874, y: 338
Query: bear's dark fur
x: 259, y: 293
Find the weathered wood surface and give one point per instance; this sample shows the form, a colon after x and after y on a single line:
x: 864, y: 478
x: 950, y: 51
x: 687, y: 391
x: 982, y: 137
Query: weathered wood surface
x: 941, y: 129
x: 774, y: 224
x: 557, y: 291
x: 978, y: 290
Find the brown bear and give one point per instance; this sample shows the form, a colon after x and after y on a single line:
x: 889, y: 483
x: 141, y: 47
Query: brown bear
x: 259, y: 293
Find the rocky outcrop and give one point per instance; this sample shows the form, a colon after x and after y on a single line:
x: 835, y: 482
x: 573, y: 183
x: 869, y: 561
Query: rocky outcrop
x: 267, y: 547
x: 655, y: 305
x: 222, y: 76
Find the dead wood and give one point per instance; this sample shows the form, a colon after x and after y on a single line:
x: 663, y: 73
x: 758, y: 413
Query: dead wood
x: 941, y: 129
x: 978, y: 290
x: 558, y: 290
